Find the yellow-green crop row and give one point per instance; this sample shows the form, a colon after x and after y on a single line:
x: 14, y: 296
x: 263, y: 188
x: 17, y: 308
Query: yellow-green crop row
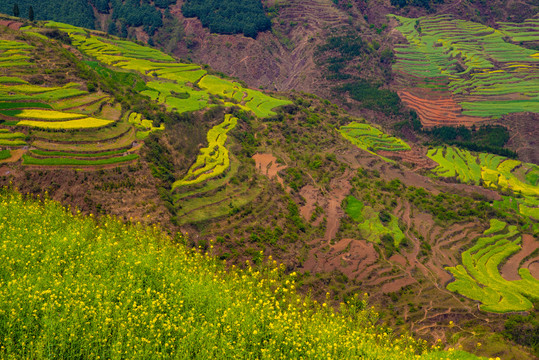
x: 41, y: 114
x: 213, y: 159
x: 478, y: 277
x: 86, y: 123
x: 147, y: 125
x: 491, y: 170
x: 371, y: 139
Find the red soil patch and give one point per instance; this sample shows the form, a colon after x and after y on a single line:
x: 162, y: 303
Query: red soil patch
x: 14, y: 25
x: 267, y: 165
x: 534, y: 269
x: 310, y: 194
x: 509, y: 270
x: 340, y: 188
x: 416, y: 156
x: 397, y: 284
x: 438, y: 111
x: 355, y: 258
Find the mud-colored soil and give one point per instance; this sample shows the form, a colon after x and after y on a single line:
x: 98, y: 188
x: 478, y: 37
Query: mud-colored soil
x: 534, y: 269
x: 437, y: 110
x: 355, y: 258
x: 267, y: 165
x: 15, y: 156
x: 416, y: 157
x: 509, y: 270
x: 310, y: 194
x: 396, y: 284
x: 14, y: 25
x: 340, y: 188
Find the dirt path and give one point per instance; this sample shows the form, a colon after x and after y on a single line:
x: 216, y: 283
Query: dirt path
x: 509, y: 270
x: 340, y: 187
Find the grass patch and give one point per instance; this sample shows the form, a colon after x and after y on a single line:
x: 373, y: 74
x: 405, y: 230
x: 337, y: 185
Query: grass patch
x: 59, y: 161
x: 19, y: 105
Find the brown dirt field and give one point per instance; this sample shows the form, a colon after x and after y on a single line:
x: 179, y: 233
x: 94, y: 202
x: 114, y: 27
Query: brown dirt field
x: 355, y: 258
x: 340, y: 187
x: 111, y: 112
x: 15, y: 156
x: 509, y: 270
x: 310, y: 194
x: 438, y: 111
x: 416, y: 156
x: 396, y: 285
x: 534, y: 269
x: 14, y: 25
x: 268, y: 166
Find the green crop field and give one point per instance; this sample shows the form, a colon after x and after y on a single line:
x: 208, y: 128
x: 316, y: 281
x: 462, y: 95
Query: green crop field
x: 371, y: 139
x: 41, y: 114
x: 75, y: 155
x: 48, y: 96
x: 213, y: 160
x: 61, y: 161
x: 5, y: 154
x: 371, y: 226
x: 20, y: 105
x: 470, y: 60
x: 479, y: 279
x: 12, y: 80
x: 491, y: 170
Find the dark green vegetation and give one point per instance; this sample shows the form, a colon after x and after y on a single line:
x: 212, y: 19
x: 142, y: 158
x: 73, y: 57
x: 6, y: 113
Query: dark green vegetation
x: 488, y: 138
x: 78, y: 13
x: 427, y: 4
x: 524, y: 330
x: 229, y: 16
x: 127, y: 13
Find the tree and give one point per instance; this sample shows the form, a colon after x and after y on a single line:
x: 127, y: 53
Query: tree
x: 16, y: 11
x: 31, y: 13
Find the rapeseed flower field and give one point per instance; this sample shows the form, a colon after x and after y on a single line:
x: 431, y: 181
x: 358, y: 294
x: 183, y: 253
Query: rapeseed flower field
x: 73, y: 287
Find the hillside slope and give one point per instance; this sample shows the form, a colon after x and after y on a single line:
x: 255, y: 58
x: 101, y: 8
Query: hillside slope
x: 76, y: 288
x: 350, y: 206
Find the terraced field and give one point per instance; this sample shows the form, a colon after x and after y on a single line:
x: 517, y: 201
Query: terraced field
x: 492, y: 171
x: 371, y: 139
x: 213, y: 159
x: 174, y: 82
x: 479, y: 278
x: 456, y: 72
